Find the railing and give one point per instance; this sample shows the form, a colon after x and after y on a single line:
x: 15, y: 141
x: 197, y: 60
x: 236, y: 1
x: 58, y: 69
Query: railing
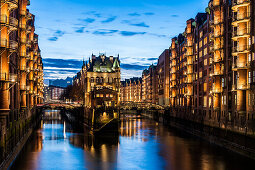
x: 10, y: 1
x: 23, y: 12
x: 24, y: 87
x: 4, y: 19
x: 243, y: 86
x: 13, y: 22
x: 241, y: 16
x: 22, y: 54
x: 3, y: 42
x: 217, y: 3
x: 29, y: 28
x: 217, y: 89
x: 8, y: 77
x: 25, y: 68
x: 241, y: 32
x: 22, y: 26
x: 23, y: 40
x: 13, y: 44
x: 239, y: 2
x: 241, y: 65
x: 189, y: 53
x: 218, y: 47
x: 242, y: 48
x: 217, y: 59
x: 217, y: 73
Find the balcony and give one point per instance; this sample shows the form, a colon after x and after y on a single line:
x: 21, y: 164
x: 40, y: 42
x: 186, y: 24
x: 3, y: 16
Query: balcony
x: 216, y: 4
x: 13, y: 22
x: 13, y: 45
x: 22, y: 54
x: 22, y: 26
x: 28, y: 55
x: 3, y: 43
x: 28, y: 43
x: 24, y: 69
x: 23, y: 40
x: 216, y: 22
x: 218, y: 47
x: 24, y: 88
x: 29, y: 28
x: 13, y: 4
x: 29, y: 16
x: 241, y: 49
x: 189, y: 54
x: 239, y: 65
x: 189, y: 44
x: 241, y: 17
x: 243, y: 86
x: 8, y: 77
x: 217, y: 73
x: 217, y: 60
x: 243, y: 33
x: 240, y: 3
x: 4, y: 19
x: 216, y: 89
x: 23, y: 12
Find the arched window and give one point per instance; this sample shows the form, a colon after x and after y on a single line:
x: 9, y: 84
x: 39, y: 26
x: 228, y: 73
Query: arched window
x: 92, y: 79
x: 97, y: 79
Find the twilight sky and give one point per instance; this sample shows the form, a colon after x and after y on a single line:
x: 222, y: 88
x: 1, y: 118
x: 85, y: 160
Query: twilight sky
x: 138, y: 30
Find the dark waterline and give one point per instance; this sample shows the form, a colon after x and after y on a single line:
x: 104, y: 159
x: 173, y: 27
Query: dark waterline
x: 141, y: 144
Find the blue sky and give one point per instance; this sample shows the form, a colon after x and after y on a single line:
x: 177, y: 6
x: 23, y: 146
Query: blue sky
x: 138, y: 30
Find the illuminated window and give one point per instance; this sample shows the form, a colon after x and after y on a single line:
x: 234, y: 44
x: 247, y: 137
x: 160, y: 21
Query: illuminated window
x: 201, y: 34
x: 101, y: 95
x: 249, y: 75
x: 205, y: 51
x: 98, y: 95
x: 205, y: 40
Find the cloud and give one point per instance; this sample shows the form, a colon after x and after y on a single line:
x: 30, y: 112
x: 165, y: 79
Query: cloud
x: 80, y: 30
x: 108, y: 20
x: 135, y: 14
x: 151, y: 59
x: 104, y: 32
x: 140, y: 24
x: 56, y: 35
x: 98, y: 15
x: 88, y: 20
x: 59, y: 33
x: 132, y: 66
x: 131, y: 33
x: 53, y: 38
x: 149, y: 13
x: 158, y: 35
x: 175, y: 16
x: 62, y: 63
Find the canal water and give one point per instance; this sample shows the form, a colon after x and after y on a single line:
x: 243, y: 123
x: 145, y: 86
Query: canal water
x: 141, y: 144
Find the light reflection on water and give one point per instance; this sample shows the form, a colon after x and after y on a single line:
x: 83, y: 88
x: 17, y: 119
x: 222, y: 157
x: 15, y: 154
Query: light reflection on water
x: 141, y: 144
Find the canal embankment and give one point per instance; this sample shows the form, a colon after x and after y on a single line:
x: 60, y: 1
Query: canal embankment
x: 17, y: 136
x: 238, y: 142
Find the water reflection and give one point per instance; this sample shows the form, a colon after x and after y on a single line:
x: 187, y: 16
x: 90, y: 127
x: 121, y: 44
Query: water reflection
x: 141, y: 144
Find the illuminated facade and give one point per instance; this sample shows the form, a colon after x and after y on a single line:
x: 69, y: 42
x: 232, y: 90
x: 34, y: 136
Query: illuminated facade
x: 150, y: 85
x: 212, y: 66
x: 163, y: 78
x: 131, y: 90
x: 21, y: 69
x: 100, y: 81
x: 243, y: 59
